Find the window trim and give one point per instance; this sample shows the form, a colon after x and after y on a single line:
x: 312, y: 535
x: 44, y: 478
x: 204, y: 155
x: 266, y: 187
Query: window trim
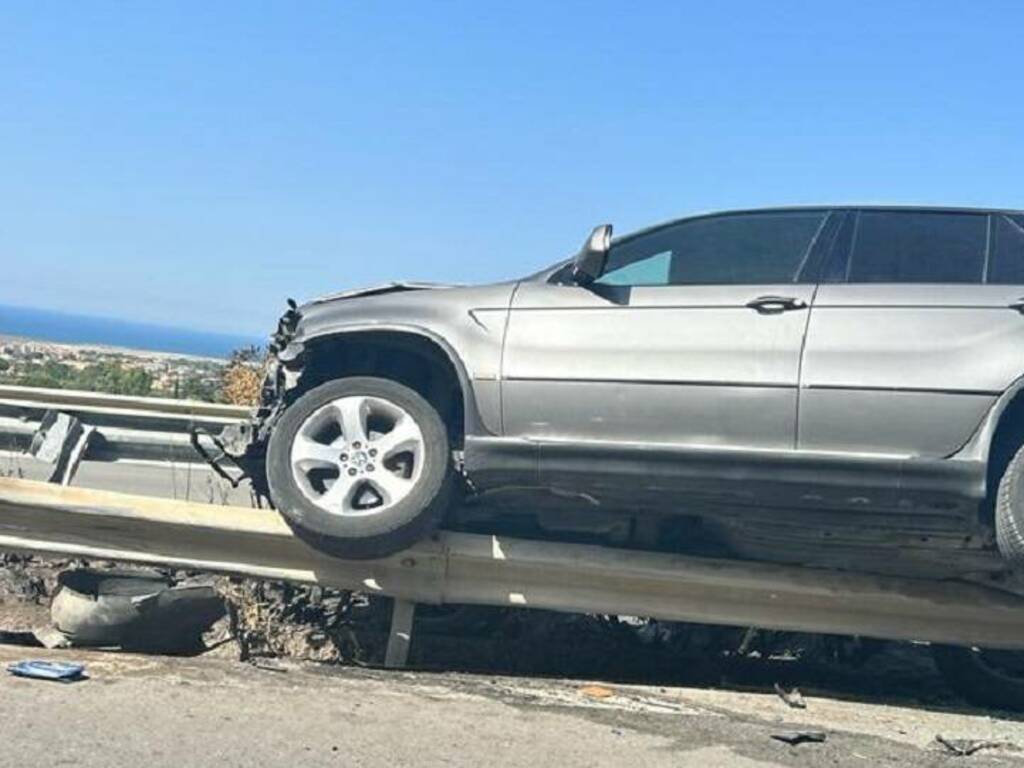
x: 1016, y: 219
x: 810, y: 252
x: 989, y: 239
x: 834, y: 264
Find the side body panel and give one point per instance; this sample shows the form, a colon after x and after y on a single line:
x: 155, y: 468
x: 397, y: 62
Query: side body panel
x: 676, y: 365
x: 908, y: 370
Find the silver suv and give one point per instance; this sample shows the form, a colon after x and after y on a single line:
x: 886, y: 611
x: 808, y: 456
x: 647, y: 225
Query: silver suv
x: 826, y: 386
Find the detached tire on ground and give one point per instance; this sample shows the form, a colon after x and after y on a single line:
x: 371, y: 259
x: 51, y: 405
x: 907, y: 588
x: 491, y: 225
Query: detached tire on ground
x: 360, y: 467
x: 982, y: 677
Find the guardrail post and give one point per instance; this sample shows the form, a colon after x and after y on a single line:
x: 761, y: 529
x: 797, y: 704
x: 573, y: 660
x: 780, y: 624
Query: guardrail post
x: 400, y: 636
x: 61, y: 440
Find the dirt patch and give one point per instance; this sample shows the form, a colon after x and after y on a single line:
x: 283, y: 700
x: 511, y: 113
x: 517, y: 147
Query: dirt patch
x: 26, y: 585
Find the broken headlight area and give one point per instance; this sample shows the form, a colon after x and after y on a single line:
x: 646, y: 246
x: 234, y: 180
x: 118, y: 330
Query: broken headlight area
x: 287, y: 326
x: 284, y: 364
x: 283, y: 368
x: 238, y: 451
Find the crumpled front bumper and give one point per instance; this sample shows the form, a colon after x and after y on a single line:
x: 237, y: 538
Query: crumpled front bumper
x: 239, y: 450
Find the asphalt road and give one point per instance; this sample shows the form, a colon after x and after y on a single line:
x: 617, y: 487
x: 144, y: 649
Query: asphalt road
x: 212, y: 712
x: 193, y: 482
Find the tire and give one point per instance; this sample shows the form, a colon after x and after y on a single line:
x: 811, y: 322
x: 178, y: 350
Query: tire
x: 365, y: 524
x: 1009, y: 510
x: 981, y: 677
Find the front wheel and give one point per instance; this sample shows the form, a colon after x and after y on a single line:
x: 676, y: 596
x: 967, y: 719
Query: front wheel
x: 360, y: 467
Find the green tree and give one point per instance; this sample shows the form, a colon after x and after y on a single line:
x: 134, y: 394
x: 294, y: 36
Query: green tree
x: 194, y: 388
x: 111, y: 377
x: 49, y: 374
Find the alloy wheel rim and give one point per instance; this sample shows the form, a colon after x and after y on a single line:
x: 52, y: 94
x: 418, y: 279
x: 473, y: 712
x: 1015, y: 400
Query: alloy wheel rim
x: 357, y: 455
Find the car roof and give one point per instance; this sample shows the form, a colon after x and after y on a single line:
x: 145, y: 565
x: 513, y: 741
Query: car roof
x: 824, y: 207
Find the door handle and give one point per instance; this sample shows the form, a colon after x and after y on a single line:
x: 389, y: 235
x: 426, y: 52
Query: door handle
x: 769, y: 305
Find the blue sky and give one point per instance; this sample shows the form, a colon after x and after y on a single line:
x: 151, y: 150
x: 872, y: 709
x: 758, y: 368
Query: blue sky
x: 195, y: 163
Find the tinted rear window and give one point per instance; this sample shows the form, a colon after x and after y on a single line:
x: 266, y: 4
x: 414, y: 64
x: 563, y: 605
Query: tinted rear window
x: 1006, y: 262
x: 915, y: 247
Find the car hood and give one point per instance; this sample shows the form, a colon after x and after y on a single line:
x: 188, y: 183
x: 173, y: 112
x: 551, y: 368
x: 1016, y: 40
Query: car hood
x: 377, y: 290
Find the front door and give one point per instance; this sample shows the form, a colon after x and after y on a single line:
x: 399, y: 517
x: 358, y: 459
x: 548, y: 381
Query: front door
x: 691, y: 338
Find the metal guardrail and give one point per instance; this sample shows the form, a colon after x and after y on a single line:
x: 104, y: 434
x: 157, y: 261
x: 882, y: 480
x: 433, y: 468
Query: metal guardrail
x: 502, y: 571
x: 126, y: 427
x: 99, y: 401
x: 454, y: 567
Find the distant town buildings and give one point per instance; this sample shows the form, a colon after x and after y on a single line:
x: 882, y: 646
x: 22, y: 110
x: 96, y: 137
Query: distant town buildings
x: 43, y: 363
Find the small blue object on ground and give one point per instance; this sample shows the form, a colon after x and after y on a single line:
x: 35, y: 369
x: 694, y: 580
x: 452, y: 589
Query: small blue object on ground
x: 62, y: 671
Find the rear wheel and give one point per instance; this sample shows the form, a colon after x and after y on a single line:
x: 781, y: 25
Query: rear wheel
x: 359, y: 467
x: 1009, y: 510
x: 983, y: 677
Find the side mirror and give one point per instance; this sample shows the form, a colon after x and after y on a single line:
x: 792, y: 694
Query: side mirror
x: 589, y: 262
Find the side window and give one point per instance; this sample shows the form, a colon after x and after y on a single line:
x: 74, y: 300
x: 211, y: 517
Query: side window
x: 1006, y: 260
x: 646, y: 270
x: 918, y: 247
x: 738, y: 249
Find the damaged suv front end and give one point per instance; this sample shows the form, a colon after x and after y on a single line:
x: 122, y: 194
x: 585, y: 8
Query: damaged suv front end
x: 339, y: 333
x: 241, y: 448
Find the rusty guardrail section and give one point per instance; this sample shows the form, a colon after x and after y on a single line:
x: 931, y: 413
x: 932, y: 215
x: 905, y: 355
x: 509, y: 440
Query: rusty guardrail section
x: 495, y: 570
x: 127, y: 427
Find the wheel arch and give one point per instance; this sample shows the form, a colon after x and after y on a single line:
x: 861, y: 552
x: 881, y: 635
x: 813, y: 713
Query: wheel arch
x: 412, y: 355
x: 998, y: 435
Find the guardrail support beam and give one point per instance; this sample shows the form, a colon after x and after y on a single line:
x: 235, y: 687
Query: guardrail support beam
x: 400, y: 637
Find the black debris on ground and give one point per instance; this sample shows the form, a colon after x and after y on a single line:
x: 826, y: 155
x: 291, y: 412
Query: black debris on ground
x: 968, y: 747
x: 269, y: 620
x: 793, y: 698
x: 301, y: 622
x: 280, y: 620
x: 796, y: 738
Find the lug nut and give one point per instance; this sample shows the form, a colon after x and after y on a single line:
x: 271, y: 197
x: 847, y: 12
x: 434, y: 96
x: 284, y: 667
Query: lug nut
x: 357, y: 446
x: 369, y: 467
x: 344, y: 457
x: 373, y: 451
x: 352, y: 471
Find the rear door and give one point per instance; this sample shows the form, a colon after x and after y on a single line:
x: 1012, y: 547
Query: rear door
x: 691, y: 338
x: 915, y: 332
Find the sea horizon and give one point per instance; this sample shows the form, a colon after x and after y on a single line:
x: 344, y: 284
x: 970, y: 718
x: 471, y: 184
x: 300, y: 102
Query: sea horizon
x: 69, y: 328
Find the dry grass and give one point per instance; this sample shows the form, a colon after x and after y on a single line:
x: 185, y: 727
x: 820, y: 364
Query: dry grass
x: 242, y: 383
